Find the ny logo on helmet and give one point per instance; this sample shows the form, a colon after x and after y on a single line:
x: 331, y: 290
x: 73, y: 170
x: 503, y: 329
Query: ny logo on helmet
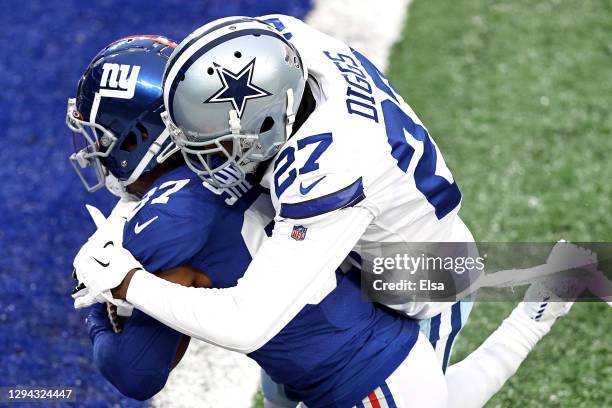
x: 119, y: 81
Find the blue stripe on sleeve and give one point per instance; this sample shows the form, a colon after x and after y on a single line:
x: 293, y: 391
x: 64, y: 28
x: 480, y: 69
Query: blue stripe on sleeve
x: 456, y: 327
x: 346, y: 197
x: 204, y: 49
x: 202, y: 34
x: 434, y: 330
x: 388, y: 396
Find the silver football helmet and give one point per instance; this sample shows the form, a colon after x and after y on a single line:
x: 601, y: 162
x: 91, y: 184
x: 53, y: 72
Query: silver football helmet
x: 231, y: 91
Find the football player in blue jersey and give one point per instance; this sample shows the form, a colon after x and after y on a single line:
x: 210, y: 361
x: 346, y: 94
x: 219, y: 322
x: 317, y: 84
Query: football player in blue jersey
x: 238, y: 93
x: 121, y: 143
x: 179, y: 227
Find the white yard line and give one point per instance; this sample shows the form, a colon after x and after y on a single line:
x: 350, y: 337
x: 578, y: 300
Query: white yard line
x: 371, y: 27
x: 209, y: 376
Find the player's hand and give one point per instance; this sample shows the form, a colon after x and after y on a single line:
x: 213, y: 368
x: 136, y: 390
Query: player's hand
x: 81, y: 292
x: 122, y: 209
x: 102, y: 263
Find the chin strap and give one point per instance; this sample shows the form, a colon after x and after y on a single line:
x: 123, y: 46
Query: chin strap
x: 117, y: 188
x: 167, y: 152
x: 152, y: 152
x: 234, y: 122
x: 175, y: 134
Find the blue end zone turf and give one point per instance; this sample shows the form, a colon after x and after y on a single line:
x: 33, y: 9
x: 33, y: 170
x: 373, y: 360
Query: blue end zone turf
x: 45, y: 46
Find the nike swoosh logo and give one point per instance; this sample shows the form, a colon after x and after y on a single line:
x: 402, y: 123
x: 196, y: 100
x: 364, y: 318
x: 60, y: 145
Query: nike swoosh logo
x: 305, y: 190
x: 102, y: 264
x: 108, y: 243
x: 138, y: 228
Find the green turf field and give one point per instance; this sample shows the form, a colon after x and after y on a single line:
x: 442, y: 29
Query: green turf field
x: 518, y: 95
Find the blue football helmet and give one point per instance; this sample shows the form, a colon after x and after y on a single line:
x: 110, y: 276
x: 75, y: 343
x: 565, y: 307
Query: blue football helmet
x: 116, y: 114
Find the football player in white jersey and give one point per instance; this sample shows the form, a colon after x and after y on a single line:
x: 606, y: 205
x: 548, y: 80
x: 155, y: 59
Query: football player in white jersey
x: 361, y: 158
x: 350, y: 165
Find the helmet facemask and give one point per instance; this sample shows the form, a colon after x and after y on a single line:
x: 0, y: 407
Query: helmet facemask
x: 90, y: 149
x: 221, y: 162
x: 225, y: 161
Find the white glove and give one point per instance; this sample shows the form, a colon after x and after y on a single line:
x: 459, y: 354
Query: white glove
x: 80, y: 294
x: 102, y: 263
x: 123, y: 208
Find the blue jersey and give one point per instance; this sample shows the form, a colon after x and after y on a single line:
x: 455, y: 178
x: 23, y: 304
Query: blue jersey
x: 180, y: 222
x: 332, y: 353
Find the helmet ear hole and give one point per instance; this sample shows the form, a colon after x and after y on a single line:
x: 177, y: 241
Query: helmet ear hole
x: 131, y: 142
x: 267, y: 124
x: 144, y: 133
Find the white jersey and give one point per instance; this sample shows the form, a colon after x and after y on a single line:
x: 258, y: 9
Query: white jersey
x: 362, y: 146
x: 360, y: 170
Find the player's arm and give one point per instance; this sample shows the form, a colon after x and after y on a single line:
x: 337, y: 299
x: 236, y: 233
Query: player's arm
x: 138, y: 360
x: 165, y: 229
x: 281, y: 280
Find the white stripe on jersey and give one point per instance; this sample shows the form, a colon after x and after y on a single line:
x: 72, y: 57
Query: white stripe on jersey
x: 382, y: 401
x: 444, y: 333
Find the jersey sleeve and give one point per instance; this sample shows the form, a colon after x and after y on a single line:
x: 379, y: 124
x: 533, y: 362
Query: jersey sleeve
x: 120, y: 358
x: 162, y: 236
x: 316, y: 174
x: 285, y: 275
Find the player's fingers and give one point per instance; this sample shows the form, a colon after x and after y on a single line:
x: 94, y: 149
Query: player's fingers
x: 202, y: 281
x: 78, y: 288
x: 115, y: 229
x: 96, y: 215
x: 85, y: 301
x: 124, y: 309
x: 79, y: 291
x: 181, y: 276
x: 120, y: 306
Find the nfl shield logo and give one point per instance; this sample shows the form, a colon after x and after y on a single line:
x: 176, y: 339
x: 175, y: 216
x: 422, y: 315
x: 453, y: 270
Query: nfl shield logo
x: 299, y: 233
